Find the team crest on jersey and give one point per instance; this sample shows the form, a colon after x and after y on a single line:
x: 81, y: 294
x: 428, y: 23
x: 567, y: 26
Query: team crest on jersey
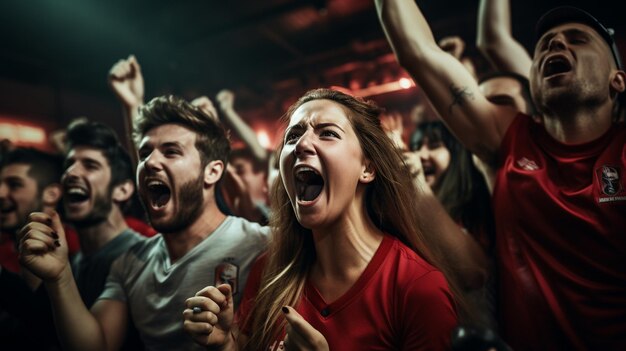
x: 610, y: 183
x: 227, y: 273
x: 527, y: 165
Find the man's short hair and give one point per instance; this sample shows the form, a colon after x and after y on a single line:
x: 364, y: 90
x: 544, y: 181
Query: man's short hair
x: 212, y: 140
x: 45, y: 168
x: 102, y: 137
x: 523, y: 81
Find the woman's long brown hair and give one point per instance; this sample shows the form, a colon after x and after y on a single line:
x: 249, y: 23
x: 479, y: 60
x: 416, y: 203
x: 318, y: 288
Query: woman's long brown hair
x: 389, y: 201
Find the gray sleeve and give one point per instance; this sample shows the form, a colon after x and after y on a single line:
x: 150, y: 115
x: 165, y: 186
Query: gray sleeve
x: 262, y: 236
x: 114, y: 286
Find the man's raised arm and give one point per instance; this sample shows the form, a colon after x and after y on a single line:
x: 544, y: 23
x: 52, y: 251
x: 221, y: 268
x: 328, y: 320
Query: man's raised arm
x: 495, y: 41
x: 226, y: 101
x: 454, y: 93
x: 126, y: 81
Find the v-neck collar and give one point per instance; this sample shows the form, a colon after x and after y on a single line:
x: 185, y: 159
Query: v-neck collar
x: 327, y: 310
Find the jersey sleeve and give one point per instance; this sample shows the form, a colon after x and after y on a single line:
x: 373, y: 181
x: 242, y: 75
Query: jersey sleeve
x: 428, y: 314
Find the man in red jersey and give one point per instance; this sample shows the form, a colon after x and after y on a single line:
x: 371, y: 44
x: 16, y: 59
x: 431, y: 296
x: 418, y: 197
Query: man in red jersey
x: 559, y: 196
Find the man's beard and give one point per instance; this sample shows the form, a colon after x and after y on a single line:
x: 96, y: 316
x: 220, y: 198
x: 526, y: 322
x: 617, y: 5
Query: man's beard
x: 568, y: 99
x: 190, y: 201
x: 102, y: 206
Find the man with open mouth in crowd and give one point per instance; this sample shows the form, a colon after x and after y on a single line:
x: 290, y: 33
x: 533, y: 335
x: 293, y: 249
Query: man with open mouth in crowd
x: 182, y: 156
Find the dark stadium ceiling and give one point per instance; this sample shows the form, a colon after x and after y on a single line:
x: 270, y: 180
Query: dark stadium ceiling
x: 259, y: 48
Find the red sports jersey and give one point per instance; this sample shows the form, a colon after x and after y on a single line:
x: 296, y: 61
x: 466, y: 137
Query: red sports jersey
x: 560, y: 215
x: 400, y: 302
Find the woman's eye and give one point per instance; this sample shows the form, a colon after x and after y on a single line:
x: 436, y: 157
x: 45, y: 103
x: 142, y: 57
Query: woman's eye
x: 144, y: 153
x: 291, y: 137
x: 329, y: 133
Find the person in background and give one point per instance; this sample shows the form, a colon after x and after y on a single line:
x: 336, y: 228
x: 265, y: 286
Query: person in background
x: 254, y: 176
x: 98, y: 185
x: 447, y: 170
x: 443, y: 194
x: 226, y: 102
x: 442, y: 167
x: 134, y: 213
x: 29, y: 181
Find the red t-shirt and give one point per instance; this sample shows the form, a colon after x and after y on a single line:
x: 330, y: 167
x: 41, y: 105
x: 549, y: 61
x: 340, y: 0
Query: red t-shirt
x: 140, y: 226
x: 400, y: 302
x: 560, y: 214
x: 8, y: 253
x: 73, y: 244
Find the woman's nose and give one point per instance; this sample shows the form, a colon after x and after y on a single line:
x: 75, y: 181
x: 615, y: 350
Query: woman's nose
x: 304, y: 145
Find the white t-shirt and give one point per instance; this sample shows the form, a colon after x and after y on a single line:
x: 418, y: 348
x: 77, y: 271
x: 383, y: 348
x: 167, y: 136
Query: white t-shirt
x: 155, y: 290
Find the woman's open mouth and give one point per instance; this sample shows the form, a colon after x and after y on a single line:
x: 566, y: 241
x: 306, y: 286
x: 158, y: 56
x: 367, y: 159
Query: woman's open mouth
x: 309, y: 184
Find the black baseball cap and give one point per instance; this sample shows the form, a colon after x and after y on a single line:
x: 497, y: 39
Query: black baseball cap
x: 569, y: 14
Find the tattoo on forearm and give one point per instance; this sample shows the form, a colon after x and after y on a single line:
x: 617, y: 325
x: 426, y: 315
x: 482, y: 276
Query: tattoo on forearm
x: 459, y: 96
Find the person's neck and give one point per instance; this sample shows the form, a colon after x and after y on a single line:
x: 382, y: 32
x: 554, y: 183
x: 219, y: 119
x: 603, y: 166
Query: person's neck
x: 343, y: 251
x: 94, y: 237
x: 180, y: 242
x: 578, y: 126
